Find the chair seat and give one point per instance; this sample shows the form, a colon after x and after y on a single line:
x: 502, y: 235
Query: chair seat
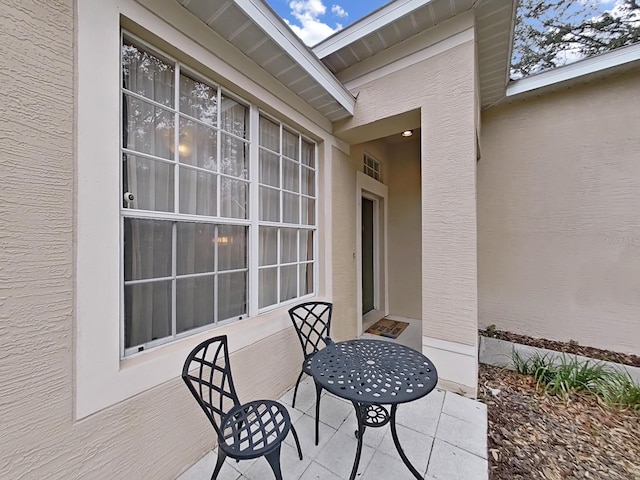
x: 254, y: 429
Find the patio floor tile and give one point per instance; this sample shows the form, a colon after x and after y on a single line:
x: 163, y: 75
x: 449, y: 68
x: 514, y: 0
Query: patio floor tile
x: 338, y: 454
x: 416, y: 446
x: 449, y: 462
x: 333, y: 411
x: 463, y: 434
x: 290, y: 464
x: 318, y: 472
x: 465, y: 409
x: 305, y: 427
x: 423, y: 414
x: 383, y: 466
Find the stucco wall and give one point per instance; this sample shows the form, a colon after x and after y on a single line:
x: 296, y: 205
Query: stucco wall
x: 343, y: 184
x: 156, y: 434
x: 559, y: 215
x: 405, y: 250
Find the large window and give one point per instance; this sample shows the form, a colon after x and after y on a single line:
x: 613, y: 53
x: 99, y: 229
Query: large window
x: 189, y: 160
x: 287, y: 214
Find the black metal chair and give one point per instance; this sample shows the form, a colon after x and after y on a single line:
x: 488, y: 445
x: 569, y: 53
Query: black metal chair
x: 312, y: 321
x: 244, y: 431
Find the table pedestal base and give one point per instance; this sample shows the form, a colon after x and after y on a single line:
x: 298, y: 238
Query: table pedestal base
x: 377, y: 416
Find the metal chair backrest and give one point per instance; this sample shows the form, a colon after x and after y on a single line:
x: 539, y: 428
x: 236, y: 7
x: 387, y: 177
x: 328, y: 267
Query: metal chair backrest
x: 207, y: 373
x: 312, y: 321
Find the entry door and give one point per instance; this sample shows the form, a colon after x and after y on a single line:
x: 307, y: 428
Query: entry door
x: 368, y: 282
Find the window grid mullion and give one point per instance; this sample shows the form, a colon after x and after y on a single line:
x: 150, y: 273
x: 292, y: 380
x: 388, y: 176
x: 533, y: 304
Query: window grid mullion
x: 218, y: 154
x: 253, y: 293
x: 216, y: 259
x: 176, y: 200
x: 176, y: 139
x: 297, y: 263
x: 281, y: 218
x: 278, y: 263
x: 298, y: 279
x: 174, y: 286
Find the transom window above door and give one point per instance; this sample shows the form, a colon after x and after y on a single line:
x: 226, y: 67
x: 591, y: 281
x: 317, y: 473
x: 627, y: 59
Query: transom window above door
x: 218, y: 214
x: 371, y: 167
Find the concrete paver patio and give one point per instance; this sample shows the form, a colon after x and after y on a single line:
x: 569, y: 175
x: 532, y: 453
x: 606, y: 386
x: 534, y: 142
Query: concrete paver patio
x: 443, y: 434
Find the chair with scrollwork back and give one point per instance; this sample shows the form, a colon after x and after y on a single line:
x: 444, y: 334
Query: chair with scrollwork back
x: 312, y: 321
x: 244, y: 431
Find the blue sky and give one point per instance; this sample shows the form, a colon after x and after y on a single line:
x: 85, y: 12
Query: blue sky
x: 315, y: 20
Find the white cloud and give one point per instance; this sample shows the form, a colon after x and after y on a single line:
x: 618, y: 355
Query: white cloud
x: 338, y: 11
x: 311, y: 29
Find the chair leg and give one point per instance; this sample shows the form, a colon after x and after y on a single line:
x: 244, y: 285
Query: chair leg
x: 221, y: 458
x: 274, y: 461
x: 318, y: 391
x: 295, y: 392
x: 295, y: 437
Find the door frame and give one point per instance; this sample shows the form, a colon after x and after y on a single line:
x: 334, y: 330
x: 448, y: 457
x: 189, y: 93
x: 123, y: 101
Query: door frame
x: 375, y: 233
x: 378, y: 192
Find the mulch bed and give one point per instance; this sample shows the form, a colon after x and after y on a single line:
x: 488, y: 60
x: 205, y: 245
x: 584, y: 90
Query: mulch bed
x: 534, y: 435
x: 570, y: 347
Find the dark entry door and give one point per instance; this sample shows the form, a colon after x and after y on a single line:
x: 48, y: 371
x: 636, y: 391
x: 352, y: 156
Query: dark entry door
x: 367, y: 256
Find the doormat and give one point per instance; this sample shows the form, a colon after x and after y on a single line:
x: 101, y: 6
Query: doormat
x: 387, y: 328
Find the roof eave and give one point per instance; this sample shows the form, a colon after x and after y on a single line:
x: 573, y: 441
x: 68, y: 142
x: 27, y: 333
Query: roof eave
x: 366, y: 25
x: 579, y: 70
x: 281, y: 34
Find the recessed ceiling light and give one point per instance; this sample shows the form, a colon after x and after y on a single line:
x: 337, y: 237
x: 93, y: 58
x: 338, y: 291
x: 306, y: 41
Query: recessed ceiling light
x: 407, y: 133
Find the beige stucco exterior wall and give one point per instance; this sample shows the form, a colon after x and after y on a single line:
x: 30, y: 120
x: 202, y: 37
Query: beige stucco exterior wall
x: 558, y: 215
x: 442, y: 87
x: 343, y: 185
x: 155, y: 434
x: 405, y: 233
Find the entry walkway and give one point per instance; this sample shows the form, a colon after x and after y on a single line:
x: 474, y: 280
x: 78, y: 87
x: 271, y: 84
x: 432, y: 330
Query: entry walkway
x: 443, y: 434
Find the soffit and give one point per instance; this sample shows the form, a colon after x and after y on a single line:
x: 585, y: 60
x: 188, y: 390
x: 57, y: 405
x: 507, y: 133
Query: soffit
x: 402, y: 19
x: 254, y: 29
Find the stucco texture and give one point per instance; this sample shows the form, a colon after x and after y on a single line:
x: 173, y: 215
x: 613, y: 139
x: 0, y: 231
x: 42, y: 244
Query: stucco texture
x: 405, y: 250
x: 558, y: 206
x: 343, y: 184
x: 157, y: 434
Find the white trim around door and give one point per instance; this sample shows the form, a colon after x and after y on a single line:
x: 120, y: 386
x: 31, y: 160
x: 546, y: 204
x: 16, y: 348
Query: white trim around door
x: 372, y: 189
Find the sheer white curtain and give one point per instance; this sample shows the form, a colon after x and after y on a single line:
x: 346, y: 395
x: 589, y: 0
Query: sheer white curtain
x: 197, y: 148
x: 147, y: 128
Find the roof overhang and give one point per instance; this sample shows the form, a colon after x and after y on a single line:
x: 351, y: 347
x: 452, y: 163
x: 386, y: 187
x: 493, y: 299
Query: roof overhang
x: 400, y: 20
x: 260, y: 34
x: 615, y: 61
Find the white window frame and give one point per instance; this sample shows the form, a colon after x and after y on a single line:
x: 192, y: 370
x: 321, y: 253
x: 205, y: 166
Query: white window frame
x: 102, y: 377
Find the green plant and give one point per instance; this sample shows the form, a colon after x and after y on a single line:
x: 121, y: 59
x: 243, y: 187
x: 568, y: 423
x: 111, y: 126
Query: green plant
x: 490, y: 331
x: 566, y: 374
x: 621, y: 390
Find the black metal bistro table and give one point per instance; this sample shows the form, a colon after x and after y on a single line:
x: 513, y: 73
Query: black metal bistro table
x: 372, y: 374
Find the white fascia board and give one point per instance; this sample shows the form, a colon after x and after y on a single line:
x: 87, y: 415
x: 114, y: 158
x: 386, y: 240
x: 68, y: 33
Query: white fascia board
x: 581, y: 68
x: 378, y: 19
x: 280, y: 33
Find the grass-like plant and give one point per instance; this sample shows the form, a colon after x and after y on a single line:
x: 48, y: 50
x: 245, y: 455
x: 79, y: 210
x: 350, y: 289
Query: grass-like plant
x: 563, y: 375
